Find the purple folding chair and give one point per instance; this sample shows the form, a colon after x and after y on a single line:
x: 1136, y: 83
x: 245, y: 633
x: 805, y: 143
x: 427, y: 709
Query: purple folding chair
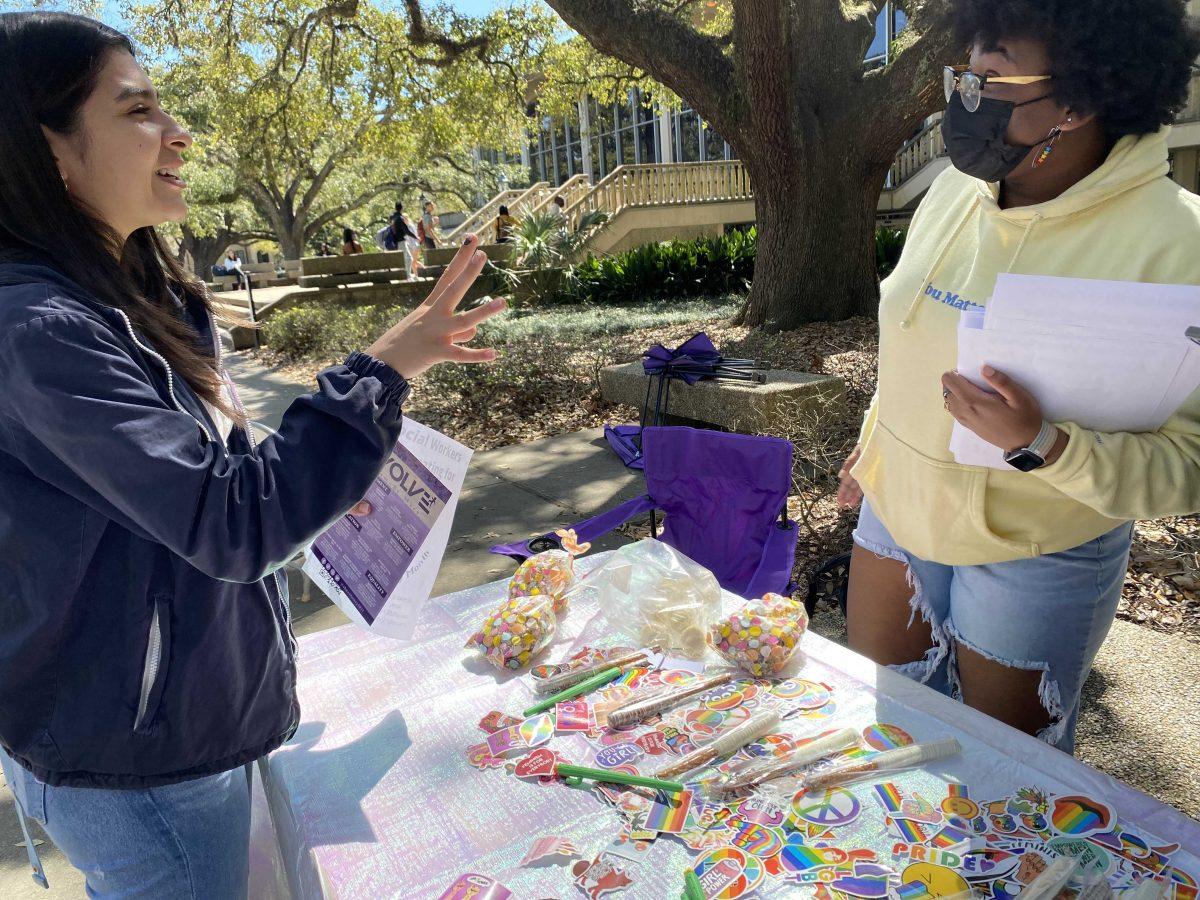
x: 724, y: 497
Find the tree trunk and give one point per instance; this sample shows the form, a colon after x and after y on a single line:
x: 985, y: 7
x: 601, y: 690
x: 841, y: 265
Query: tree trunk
x: 291, y: 242
x: 205, y: 251
x: 816, y: 244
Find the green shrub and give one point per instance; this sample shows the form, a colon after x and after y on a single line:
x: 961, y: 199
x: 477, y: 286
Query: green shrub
x: 695, y: 268
x: 327, y: 331
x: 889, y: 243
x: 701, y: 267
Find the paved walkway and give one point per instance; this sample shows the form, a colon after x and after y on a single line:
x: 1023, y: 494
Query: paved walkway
x: 1138, y: 721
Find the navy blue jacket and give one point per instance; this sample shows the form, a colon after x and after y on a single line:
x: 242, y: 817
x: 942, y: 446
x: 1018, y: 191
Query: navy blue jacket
x: 144, y: 637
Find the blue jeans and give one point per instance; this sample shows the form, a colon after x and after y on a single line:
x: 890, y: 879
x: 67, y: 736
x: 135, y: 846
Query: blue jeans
x: 185, y: 840
x: 1047, y: 613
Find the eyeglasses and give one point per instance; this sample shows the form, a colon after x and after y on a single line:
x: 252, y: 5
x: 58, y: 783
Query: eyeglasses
x: 970, y: 85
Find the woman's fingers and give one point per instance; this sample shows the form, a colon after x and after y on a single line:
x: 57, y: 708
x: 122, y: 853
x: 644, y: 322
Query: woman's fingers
x: 479, y: 314
x: 461, y: 259
x: 458, y: 354
x: 453, y: 290
x: 361, y: 508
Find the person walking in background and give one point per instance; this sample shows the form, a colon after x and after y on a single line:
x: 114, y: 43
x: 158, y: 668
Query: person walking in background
x: 350, y: 244
x: 324, y: 249
x: 402, y: 236
x: 427, y: 228
x: 147, y: 654
x: 505, y: 225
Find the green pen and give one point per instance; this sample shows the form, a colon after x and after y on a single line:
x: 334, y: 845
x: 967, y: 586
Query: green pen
x: 572, y: 692
x: 692, y: 890
x: 574, y: 774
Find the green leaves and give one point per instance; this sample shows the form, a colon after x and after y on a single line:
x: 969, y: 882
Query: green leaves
x: 313, y: 114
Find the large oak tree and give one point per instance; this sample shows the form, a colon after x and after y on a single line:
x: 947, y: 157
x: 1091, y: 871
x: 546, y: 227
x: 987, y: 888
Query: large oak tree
x: 784, y: 82
x: 321, y: 114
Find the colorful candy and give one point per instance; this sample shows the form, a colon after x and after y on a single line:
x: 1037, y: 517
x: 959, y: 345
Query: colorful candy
x: 763, y: 636
x: 524, y: 625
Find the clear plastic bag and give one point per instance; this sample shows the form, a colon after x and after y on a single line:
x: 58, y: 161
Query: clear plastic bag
x: 653, y: 595
x: 524, y: 625
x: 515, y: 632
x: 763, y: 636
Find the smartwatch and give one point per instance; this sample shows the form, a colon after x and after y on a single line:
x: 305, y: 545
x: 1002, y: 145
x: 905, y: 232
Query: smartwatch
x: 1026, y: 459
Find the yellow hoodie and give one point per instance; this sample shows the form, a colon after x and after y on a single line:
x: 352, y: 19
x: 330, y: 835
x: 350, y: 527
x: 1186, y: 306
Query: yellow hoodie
x: 1127, y: 221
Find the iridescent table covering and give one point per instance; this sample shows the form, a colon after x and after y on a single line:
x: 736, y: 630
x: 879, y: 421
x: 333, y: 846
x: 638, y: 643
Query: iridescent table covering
x: 374, y: 797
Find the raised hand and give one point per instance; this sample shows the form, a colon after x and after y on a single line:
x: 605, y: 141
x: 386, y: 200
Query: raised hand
x: 435, y: 331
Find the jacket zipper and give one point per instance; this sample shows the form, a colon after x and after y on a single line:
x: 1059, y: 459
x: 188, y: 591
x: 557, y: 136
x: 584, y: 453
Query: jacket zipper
x: 237, y: 402
x: 212, y: 327
x: 166, y: 368
x: 149, y: 667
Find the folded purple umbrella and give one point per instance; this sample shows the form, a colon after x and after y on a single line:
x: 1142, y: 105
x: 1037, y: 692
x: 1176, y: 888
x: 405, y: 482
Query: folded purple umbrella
x: 725, y: 502
x: 694, y: 360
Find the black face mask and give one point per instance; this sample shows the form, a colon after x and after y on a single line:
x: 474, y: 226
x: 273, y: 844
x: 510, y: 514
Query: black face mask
x: 975, y: 140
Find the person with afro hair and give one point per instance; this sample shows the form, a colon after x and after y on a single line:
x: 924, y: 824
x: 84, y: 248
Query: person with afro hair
x: 998, y: 585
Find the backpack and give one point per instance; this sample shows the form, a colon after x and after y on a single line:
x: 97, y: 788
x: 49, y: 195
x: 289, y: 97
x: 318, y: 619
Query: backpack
x: 383, y: 238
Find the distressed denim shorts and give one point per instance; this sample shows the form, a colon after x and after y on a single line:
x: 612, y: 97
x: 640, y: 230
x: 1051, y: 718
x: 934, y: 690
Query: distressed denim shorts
x: 1048, y: 613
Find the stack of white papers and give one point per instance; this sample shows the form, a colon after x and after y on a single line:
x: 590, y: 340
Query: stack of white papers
x: 1106, y: 355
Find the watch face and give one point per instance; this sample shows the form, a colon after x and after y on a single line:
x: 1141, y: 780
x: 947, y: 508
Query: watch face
x: 1024, y: 459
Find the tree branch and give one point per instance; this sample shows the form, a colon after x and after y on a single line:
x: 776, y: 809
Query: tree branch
x: 909, y: 87
x: 349, y: 206
x: 655, y: 41
x: 419, y: 33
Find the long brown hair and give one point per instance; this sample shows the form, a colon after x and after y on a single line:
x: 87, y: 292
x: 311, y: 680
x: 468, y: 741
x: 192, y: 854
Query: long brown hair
x: 49, y: 65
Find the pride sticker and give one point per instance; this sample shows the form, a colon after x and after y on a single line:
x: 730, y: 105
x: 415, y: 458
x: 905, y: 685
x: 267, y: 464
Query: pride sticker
x: 727, y: 873
x: 1078, y: 816
x: 758, y: 840
x: 882, y: 736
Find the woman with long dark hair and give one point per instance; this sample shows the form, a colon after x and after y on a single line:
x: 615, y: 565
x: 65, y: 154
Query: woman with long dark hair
x: 146, y: 653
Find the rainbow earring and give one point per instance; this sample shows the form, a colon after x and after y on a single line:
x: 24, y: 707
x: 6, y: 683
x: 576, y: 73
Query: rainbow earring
x: 1047, y: 147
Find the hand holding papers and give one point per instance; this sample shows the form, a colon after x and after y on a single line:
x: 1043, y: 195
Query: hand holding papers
x: 1107, y: 355
x: 379, y: 569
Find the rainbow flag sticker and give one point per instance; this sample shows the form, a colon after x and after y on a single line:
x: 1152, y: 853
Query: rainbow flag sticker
x: 668, y: 814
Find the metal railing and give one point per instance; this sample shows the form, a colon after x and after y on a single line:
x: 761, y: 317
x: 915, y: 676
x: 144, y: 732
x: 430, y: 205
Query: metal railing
x: 523, y: 199
x: 663, y: 184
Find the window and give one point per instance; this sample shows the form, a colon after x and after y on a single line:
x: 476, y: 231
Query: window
x: 687, y: 136
x: 879, y: 45
x: 626, y: 146
x: 647, y: 143
x: 714, y: 145
x: 608, y: 144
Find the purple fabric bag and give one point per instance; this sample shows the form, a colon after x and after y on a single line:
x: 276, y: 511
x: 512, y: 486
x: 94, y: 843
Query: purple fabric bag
x: 725, y: 502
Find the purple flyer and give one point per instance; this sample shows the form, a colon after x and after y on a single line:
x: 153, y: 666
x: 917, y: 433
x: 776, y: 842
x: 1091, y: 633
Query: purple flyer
x: 366, y: 556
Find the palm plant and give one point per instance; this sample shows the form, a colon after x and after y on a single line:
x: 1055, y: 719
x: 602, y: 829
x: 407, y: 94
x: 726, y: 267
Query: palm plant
x: 542, y: 252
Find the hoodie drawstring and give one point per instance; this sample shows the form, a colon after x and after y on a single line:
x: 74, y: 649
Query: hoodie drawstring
x: 915, y: 306
x: 1024, y: 237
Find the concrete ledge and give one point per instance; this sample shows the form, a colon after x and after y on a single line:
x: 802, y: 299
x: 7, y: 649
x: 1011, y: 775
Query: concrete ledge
x: 355, y: 262
x: 441, y: 256
x: 737, y: 406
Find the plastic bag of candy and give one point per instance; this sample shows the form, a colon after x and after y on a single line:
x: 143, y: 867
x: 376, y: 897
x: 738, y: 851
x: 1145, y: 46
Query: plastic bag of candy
x: 524, y: 625
x: 762, y: 637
